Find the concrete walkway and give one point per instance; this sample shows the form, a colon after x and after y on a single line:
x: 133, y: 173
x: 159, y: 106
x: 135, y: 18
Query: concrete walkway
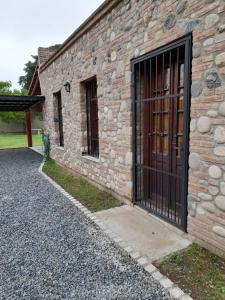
x: 144, y: 233
x: 38, y: 149
x: 50, y: 250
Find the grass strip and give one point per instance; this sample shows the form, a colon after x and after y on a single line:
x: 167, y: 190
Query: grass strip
x: 89, y: 195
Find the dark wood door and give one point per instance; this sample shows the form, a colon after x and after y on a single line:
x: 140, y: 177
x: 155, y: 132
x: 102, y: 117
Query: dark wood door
x: 160, y: 111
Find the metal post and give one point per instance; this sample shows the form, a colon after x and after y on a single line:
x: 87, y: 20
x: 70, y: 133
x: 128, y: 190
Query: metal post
x: 28, y: 128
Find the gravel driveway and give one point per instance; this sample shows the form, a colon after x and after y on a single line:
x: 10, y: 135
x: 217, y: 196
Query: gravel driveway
x: 50, y: 250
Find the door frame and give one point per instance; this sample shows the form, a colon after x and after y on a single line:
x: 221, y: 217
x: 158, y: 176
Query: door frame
x: 187, y: 41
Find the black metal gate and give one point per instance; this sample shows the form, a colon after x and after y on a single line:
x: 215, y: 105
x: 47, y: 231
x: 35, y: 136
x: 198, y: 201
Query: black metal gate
x: 161, y: 85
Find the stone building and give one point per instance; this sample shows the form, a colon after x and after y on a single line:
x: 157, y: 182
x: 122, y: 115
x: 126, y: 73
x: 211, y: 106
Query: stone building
x: 135, y: 102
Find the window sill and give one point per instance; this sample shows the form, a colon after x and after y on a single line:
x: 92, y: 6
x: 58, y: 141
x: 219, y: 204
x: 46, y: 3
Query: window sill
x: 91, y: 158
x: 60, y: 148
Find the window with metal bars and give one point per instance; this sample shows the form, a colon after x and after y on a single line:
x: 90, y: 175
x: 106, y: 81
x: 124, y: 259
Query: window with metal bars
x: 60, y: 118
x: 92, y: 117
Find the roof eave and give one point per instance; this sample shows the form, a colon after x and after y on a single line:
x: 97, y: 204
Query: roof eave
x: 97, y: 15
x: 33, y: 81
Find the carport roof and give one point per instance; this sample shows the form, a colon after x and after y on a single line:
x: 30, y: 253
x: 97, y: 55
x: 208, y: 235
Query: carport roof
x: 19, y: 103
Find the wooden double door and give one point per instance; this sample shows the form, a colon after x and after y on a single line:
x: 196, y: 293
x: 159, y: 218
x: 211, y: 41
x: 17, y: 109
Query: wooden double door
x: 161, y: 133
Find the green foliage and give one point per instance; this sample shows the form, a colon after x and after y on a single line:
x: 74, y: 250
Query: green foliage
x: 55, y: 47
x: 29, y: 69
x: 7, y: 117
x: 175, y: 259
x: 25, y: 80
x: 5, y: 87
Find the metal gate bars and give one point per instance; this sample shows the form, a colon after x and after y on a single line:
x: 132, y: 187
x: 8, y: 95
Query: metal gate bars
x: 161, y: 85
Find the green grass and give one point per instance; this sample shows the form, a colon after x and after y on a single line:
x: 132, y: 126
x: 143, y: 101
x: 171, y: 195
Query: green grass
x: 197, y: 271
x: 16, y: 140
x: 175, y: 259
x: 89, y: 195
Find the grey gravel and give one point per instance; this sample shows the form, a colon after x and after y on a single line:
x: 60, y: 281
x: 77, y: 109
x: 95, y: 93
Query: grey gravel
x: 51, y: 250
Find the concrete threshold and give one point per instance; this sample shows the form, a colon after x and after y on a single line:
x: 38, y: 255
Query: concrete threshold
x: 146, y: 234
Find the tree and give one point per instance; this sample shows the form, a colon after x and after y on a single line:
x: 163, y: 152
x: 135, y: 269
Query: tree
x: 7, y: 117
x: 25, y: 80
x: 54, y: 47
x: 29, y: 69
x: 5, y: 87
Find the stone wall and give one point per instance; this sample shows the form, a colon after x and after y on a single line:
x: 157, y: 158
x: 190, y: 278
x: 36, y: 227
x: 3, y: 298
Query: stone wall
x: 18, y: 127
x: 131, y: 29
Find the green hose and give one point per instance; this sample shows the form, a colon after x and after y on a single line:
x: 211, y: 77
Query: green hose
x: 46, y: 143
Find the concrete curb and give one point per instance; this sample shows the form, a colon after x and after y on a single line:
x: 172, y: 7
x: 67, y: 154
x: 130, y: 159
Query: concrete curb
x: 164, y: 281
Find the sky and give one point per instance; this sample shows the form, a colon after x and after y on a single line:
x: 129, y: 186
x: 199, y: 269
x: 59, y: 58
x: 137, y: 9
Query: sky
x: 27, y: 24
